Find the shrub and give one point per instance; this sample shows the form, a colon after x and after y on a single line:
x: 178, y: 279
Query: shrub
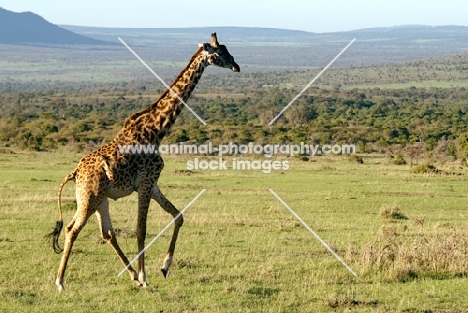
x: 426, y: 169
x: 355, y: 159
x: 399, y: 160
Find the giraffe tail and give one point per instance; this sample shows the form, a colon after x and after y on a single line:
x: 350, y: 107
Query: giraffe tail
x: 54, y: 235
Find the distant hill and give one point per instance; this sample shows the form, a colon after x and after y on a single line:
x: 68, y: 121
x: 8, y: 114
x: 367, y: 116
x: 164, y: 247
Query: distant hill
x: 255, y: 49
x: 396, y: 36
x: 295, y: 48
x: 30, y: 28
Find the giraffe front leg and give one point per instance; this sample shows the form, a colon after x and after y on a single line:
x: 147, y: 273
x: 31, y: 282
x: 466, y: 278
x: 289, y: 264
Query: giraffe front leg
x: 171, y: 209
x: 143, y: 204
x: 141, y: 235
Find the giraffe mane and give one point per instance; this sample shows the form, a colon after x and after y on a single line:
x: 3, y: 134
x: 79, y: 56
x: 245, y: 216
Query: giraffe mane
x: 153, y: 105
x: 178, y: 77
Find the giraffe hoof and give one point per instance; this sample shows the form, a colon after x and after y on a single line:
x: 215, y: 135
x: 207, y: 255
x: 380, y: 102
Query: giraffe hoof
x: 140, y: 284
x: 164, y: 272
x: 59, y: 284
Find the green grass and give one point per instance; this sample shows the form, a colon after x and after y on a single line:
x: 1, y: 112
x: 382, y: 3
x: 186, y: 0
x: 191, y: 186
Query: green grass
x: 240, y: 250
x: 417, y: 84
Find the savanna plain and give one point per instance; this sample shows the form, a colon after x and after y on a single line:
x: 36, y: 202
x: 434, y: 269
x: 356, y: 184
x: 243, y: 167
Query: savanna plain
x: 240, y: 249
x: 396, y: 212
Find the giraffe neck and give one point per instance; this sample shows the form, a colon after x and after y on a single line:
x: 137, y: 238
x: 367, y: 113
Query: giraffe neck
x: 151, y: 124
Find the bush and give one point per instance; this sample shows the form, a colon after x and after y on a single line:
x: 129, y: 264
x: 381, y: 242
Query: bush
x: 426, y: 169
x: 399, y: 160
x: 355, y: 159
x: 462, y: 147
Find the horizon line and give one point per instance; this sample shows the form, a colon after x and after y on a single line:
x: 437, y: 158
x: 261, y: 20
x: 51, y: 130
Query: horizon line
x: 274, y: 28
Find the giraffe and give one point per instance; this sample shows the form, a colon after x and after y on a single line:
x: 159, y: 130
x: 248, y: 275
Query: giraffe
x: 109, y: 173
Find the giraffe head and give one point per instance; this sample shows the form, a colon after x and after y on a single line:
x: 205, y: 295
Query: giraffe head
x: 218, y: 55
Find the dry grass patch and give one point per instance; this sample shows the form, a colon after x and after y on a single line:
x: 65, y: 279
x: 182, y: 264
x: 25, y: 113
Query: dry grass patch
x: 399, y: 255
x: 391, y: 212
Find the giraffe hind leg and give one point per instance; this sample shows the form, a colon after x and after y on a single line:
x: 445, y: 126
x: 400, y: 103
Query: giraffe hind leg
x: 71, y: 233
x: 86, y: 205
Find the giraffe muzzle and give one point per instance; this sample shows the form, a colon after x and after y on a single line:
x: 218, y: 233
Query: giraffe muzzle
x: 235, y: 67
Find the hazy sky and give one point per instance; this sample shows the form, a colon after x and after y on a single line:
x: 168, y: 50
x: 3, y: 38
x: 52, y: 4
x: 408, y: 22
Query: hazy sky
x: 309, y: 15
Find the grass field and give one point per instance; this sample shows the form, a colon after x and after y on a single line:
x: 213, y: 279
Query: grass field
x: 240, y: 249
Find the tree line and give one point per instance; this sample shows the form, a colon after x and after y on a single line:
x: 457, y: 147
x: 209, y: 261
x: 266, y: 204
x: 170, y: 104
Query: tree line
x: 376, y: 120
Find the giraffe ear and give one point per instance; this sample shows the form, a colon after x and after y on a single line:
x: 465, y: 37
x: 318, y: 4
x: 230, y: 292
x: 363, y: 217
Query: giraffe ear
x: 200, y: 45
x: 214, y: 40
